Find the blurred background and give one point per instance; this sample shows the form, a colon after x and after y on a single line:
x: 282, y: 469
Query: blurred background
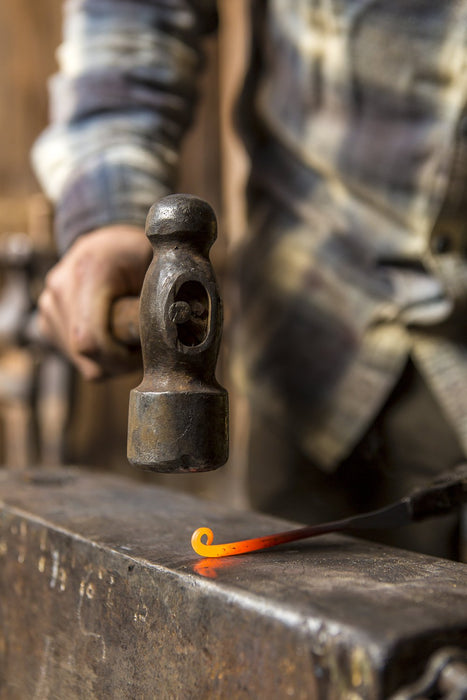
x: 48, y: 416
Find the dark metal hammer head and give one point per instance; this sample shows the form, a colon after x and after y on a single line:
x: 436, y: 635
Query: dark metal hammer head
x: 178, y: 418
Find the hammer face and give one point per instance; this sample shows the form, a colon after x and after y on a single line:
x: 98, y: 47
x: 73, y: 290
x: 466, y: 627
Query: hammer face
x: 178, y: 431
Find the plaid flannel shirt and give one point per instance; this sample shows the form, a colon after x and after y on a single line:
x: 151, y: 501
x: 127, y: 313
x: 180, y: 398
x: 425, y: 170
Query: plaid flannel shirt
x: 354, y: 116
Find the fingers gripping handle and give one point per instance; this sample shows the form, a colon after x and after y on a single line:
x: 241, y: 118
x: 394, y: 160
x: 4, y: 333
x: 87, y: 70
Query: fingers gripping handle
x: 178, y: 417
x: 124, y: 321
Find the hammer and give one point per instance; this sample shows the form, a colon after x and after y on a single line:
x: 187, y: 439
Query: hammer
x: 178, y: 415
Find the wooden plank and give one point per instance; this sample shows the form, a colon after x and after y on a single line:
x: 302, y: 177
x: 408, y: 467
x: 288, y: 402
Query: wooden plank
x: 29, y: 34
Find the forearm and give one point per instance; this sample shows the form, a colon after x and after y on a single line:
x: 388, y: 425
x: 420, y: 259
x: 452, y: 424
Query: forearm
x: 120, y: 105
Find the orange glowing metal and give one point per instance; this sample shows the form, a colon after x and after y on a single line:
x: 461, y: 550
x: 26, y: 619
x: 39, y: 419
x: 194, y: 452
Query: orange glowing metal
x: 444, y: 494
x: 207, y: 549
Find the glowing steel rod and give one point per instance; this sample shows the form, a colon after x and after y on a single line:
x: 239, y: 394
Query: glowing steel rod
x: 447, y: 493
x: 207, y: 549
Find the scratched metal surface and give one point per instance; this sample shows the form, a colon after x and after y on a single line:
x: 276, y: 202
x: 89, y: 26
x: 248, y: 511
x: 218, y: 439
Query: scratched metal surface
x: 102, y: 596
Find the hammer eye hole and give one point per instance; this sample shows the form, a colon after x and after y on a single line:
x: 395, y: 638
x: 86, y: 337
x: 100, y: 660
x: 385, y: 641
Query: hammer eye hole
x: 191, y: 314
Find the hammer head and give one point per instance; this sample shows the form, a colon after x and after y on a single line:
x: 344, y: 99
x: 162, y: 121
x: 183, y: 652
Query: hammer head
x: 178, y: 417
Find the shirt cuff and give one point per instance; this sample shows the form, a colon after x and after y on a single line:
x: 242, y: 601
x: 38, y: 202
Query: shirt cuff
x: 102, y: 196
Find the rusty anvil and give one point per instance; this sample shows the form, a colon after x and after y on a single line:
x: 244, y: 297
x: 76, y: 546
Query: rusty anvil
x: 101, y: 596
x: 178, y: 415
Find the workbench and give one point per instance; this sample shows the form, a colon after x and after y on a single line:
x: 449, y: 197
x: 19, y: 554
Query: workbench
x: 103, y: 597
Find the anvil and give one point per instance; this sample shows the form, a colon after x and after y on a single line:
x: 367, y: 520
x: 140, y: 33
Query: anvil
x: 102, y: 596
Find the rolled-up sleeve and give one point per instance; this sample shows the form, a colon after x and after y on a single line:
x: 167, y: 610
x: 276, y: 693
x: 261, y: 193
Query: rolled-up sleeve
x: 120, y: 104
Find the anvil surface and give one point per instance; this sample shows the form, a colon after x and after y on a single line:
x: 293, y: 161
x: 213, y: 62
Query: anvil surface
x: 103, y: 597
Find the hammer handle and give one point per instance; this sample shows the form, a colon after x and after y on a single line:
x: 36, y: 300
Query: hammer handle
x: 124, y: 321
x: 124, y: 324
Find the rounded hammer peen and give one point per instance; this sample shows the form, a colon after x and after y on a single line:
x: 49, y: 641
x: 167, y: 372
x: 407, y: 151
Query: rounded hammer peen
x: 178, y: 415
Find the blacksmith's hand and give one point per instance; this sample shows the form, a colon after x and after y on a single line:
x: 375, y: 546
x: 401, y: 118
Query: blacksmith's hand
x: 74, y: 307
